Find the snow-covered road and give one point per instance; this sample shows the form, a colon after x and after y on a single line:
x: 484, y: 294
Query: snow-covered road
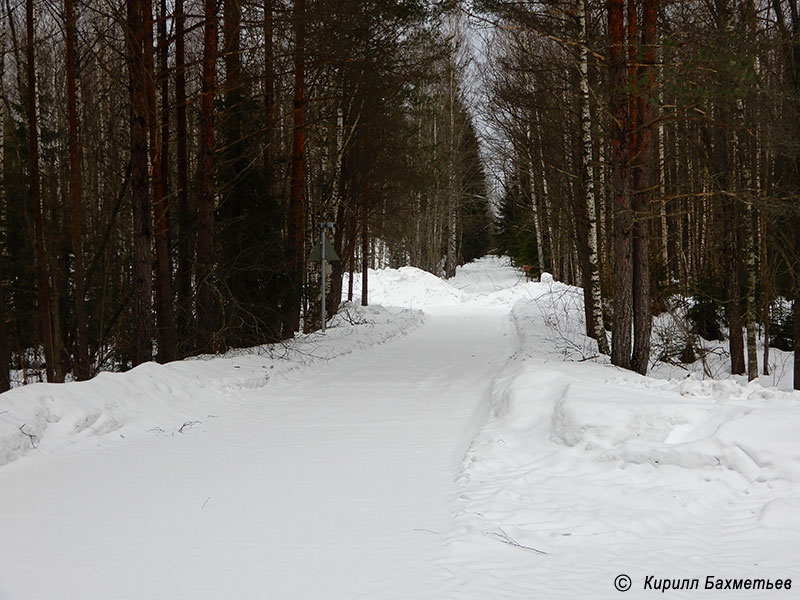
x: 334, y: 482
x: 480, y: 450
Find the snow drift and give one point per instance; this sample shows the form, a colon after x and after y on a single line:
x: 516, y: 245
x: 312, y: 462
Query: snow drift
x: 162, y: 398
x: 603, y: 471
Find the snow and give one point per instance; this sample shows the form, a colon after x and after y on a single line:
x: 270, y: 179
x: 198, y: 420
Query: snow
x: 163, y: 397
x: 713, y: 357
x: 608, y: 472
x: 461, y: 441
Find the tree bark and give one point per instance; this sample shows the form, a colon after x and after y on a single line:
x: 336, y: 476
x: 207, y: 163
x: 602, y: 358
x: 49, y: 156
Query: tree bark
x: 364, y: 252
x: 206, y: 314
x: 5, y: 354
x: 183, y: 276
x: 269, y: 94
x: 796, y: 312
x: 734, y: 289
x: 750, y: 312
x: 546, y: 205
x: 452, y: 201
x: 142, y: 217
x: 163, y: 80
x: 642, y: 190
x: 623, y: 268
x: 337, y: 268
x: 537, y: 220
x: 165, y: 310
x: 231, y: 126
x: 42, y: 285
x: 81, y: 369
x: 297, y: 214
x: 598, y: 331
x: 351, y: 269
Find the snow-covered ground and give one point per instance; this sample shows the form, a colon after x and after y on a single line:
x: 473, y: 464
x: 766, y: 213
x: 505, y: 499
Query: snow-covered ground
x: 472, y: 447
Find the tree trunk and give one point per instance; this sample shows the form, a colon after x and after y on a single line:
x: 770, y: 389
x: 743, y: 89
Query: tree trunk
x: 5, y: 354
x: 337, y: 268
x: 43, y: 293
x: 662, y: 184
x: 297, y: 214
x: 452, y: 203
x: 142, y: 223
x: 796, y: 333
x: 548, y: 212
x: 750, y: 312
x: 623, y: 269
x: 184, y: 264
x: 598, y: 331
x: 232, y: 123
x: 537, y: 220
x: 352, y: 255
x: 81, y: 369
x: 165, y: 310
x: 269, y: 95
x: 364, y: 251
x: 735, y: 317
x: 796, y: 312
x: 206, y: 317
x: 163, y: 79
x: 642, y: 186
x: 765, y: 356
x: 166, y: 182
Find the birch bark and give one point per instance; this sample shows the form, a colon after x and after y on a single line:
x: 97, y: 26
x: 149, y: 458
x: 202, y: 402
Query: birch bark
x: 587, y: 174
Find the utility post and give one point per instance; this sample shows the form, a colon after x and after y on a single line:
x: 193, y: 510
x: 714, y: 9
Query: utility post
x: 322, y: 253
x: 323, y: 258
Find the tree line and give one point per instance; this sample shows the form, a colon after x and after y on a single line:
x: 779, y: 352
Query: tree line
x: 650, y: 149
x: 166, y: 166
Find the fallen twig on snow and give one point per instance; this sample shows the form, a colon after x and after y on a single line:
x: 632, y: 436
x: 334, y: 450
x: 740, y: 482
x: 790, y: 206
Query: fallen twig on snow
x: 188, y: 424
x: 506, y: 539
x: 29, y: 435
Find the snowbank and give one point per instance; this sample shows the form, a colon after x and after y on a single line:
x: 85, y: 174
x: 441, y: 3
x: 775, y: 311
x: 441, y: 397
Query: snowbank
x: 407, y: 286
x: 491, y: 281
x: 605, y: 471
x: 163, y: 398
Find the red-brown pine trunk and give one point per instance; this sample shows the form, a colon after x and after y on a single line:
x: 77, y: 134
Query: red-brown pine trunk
x: 163, y: 79
x: 623, y: 275
x: 297, y: 214
x: 205, y: 201
x: 184, y: 265
x: 232, y: 122
x: 81, y: 369
x: 269, y: 94
x: 142, y: 217
x: 642, y: 189
x: 142, y: 220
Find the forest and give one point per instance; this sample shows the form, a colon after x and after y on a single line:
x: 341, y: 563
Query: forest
x: 166, y: 167
x: 649, y: 154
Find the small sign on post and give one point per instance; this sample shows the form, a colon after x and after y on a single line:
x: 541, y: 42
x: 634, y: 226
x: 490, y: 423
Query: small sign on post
x: 316, y: 251
x: 322, y: 253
